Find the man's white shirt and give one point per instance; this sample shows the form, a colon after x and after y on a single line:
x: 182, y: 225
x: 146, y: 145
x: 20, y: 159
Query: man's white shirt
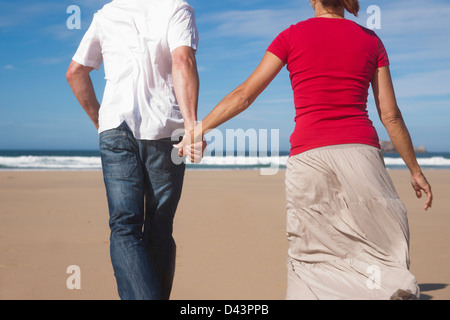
x: 134, y: 39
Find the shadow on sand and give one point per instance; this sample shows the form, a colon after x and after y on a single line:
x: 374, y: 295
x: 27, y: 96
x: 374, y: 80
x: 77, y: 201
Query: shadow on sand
x: 425, y: 287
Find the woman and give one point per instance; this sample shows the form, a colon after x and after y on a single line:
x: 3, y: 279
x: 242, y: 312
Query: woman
x: 347, y: 228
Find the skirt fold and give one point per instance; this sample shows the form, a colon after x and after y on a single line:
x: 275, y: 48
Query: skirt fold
x: 346, y: 226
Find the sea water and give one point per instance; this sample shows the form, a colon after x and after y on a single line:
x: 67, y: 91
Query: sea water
x: 85, y: 160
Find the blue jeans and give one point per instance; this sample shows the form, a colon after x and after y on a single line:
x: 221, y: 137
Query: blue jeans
x: 143, y: 188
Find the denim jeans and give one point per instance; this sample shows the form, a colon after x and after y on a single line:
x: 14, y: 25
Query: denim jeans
x: 143, y: 188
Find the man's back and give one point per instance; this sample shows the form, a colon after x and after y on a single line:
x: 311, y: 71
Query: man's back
x: 148, y: 47
x: 134, y: 39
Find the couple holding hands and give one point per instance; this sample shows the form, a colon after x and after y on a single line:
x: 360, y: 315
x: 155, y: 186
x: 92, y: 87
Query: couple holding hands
x: 344, y: 216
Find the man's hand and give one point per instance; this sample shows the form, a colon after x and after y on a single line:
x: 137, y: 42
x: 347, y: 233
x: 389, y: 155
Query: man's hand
x: 186, y: 83
x: 194, y: 151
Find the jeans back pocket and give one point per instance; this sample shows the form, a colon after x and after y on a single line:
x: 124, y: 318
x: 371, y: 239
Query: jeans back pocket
x: 119, y: 159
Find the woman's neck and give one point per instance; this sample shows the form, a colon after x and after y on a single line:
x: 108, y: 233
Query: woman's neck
x: 320, y: 11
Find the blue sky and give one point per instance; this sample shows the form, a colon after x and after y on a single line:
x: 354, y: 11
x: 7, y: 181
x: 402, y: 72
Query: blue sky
x: 38, y: 110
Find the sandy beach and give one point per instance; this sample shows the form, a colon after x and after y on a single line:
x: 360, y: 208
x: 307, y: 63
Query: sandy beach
x: 229, y: 228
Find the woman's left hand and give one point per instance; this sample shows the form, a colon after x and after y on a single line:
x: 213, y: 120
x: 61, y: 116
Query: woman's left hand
x: 420, y: 183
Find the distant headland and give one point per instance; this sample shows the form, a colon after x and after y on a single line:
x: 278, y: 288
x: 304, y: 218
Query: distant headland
x: 388, y: 147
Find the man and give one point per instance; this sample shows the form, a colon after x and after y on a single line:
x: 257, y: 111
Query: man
x: 148, y: 49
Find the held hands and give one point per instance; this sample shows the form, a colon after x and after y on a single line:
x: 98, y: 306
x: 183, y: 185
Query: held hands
x: 191, y: 147
x: 419, y: 183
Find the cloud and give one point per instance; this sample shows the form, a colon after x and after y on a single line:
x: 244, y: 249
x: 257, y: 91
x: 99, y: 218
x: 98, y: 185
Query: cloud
x: 262, y: 23
x: 417, y: 38
x: 409, y: 17
x: 62, y: 33
x: 18, y: 13
x: 411, y: 25
x: 8, y: 67
x: 429, y: 83
x: 35, y: 14
x: 47, y: 61
x: 91, y: 4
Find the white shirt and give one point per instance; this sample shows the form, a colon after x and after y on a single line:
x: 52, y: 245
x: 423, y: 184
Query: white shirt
x: 134, y: 39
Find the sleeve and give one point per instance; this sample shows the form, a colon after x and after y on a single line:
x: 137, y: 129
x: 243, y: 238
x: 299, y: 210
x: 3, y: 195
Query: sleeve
x: 280, y: 46
x: 183, y: 28
x: 89, y: 52
x: 383, y: 59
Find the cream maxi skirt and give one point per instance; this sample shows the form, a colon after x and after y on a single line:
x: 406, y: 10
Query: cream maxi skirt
x: 346, y: 226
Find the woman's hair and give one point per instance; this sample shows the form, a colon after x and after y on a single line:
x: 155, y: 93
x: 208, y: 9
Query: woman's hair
x: 351, y: 6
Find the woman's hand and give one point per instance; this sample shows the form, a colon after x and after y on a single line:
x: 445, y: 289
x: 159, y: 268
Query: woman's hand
x: 193, y: 144
x: 192, y: 149
x: 419, y: 183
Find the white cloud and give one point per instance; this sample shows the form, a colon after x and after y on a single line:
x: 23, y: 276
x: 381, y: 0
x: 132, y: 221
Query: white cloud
x: 409, y: 17
x: 263, y: 23
x: 8, y: 67
x: 47, y: 61
x: 61, y: 32
x: 415, y: 26
x: 429, y: 83
x: 417, y: 37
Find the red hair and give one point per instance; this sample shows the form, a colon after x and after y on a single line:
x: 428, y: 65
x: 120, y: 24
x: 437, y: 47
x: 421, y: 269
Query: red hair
x: 351, y: 6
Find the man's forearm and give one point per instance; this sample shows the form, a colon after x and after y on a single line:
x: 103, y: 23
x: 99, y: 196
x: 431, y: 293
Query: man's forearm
x: 186, y: 83
x: 81, y: 84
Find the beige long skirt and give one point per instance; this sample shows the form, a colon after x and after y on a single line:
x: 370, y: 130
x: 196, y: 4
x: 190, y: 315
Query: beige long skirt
x: 346, y: 226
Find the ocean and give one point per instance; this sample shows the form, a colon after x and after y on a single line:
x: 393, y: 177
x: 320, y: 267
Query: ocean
x: 89, y: 160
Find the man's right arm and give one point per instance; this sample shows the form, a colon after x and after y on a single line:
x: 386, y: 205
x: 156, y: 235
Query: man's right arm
x: 186, y: 83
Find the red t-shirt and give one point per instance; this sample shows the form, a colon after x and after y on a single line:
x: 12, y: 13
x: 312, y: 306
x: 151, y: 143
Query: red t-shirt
x: 331, y: 64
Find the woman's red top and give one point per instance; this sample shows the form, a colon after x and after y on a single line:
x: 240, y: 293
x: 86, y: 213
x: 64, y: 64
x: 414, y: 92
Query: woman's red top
x: 331, y: 64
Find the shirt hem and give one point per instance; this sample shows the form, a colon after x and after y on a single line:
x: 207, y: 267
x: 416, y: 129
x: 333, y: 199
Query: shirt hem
x: 139, y: 136
x: 183, y: 44
x: 86, y: 62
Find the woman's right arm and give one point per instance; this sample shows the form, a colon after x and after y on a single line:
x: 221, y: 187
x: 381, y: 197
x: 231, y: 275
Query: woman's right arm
x: 392, y: 119
x: 234, y: 103
x: 244, y: 95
